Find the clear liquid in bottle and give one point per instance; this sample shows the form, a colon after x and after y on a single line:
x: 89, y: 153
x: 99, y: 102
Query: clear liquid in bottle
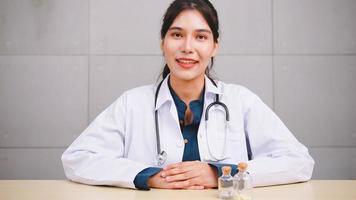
x: 242, y: 182
x: 226, y: 184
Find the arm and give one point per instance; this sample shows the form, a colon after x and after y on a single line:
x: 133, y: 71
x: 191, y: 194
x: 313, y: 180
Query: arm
x: 141, y: 179
x: 278, y: 156
x: 96, y: 157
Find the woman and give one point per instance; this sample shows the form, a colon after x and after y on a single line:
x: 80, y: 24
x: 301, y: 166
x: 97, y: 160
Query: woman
x: 155, y: 136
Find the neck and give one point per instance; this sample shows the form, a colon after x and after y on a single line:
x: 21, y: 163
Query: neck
x: 187, y: 90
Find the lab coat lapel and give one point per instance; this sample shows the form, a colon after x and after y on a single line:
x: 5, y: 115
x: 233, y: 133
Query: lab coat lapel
x: 209, y: 97
x: 164, y: 96
x: 170, y: 133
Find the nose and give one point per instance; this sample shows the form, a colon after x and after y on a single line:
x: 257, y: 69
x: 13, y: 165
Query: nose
x: 187, y: 46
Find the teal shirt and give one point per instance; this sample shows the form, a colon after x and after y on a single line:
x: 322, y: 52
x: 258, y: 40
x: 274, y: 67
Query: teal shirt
x: 189, y: 131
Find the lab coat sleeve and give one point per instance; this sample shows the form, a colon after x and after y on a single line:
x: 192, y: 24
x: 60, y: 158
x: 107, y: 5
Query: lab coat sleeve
x: 279, y: 157
x: 218, y: 167
x: 96, y: 157
x: 141, y: 178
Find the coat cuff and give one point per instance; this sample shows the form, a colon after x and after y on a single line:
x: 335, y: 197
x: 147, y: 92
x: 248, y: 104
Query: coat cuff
x: 142, y: 177
x: 218, y: 167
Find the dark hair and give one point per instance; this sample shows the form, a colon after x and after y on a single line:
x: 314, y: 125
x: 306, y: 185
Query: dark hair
x: 205, y: 8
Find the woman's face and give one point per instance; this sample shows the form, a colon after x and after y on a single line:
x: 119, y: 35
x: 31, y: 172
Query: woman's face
x: 188, y: 46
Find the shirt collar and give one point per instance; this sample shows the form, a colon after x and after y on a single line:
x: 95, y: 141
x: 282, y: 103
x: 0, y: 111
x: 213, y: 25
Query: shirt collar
x: 196, y: 106
x: 164, y: 94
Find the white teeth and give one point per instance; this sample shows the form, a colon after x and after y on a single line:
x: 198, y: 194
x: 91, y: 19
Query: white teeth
x: 186, y: 61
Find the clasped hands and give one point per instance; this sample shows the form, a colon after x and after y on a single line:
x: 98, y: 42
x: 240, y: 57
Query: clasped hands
x: 185, y: 175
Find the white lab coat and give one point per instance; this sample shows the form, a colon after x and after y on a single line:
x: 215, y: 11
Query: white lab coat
x: 121, y: 141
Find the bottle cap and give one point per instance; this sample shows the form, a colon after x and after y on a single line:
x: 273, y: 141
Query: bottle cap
x: 242, y: 166
x: 226, y: 170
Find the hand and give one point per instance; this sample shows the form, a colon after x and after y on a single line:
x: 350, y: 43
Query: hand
x: 158, y: 181
x: 190, y: 174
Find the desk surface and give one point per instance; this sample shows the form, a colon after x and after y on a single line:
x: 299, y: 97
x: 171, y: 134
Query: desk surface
x: 66, y: 190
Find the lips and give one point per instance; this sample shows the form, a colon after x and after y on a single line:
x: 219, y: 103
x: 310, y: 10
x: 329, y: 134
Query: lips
x: 186, y: 62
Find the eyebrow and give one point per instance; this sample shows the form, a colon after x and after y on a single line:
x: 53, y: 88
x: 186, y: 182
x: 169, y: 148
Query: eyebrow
x: 180, y: 29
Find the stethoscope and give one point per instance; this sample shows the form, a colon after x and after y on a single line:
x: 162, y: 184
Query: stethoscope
x: 162, y: 155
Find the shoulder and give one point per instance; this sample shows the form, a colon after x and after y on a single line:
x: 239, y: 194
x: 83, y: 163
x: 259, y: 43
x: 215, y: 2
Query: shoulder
x: 141, y: 91
x: 235, y: 90
x: 235, y: 94
x: 137, y: 96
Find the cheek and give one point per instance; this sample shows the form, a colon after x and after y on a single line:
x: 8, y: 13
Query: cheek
x: 207, y: 51
x: 169, y: 48
x: 205, y: 56
x: 169, y: 55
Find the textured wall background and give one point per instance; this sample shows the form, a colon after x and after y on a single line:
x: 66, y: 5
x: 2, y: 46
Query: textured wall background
x: 64, y: 61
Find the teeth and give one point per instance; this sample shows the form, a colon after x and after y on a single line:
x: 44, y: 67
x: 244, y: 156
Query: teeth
x: 187, y: 62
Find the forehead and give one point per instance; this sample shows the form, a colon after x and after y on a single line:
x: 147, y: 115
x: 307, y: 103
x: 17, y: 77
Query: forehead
x: 190, y: 19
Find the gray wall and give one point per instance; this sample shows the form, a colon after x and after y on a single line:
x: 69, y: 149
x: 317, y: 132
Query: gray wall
x: 63, y: 61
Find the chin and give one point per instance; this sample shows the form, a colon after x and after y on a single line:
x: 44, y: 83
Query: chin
x: 186, y: 76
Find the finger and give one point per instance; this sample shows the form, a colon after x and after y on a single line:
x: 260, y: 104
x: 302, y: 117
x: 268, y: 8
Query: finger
x: 195, y: 187
x: 174, y: 165
x: 181, y: 184
x: 178, y: 170
x: 187, y: 183
x: 171, y: 166
x: 182, y: 176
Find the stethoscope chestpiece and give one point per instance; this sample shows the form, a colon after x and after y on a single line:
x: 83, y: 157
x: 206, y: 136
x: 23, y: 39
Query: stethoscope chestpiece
x: 161, y: 158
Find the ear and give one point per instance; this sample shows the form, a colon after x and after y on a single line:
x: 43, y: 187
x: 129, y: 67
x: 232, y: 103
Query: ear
x: 161, y: 45
x: 216, y: 48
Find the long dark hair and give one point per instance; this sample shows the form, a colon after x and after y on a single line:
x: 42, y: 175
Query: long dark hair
x: 205, y: 8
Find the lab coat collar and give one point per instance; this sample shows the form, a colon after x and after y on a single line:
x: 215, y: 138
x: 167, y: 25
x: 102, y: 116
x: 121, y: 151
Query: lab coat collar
x: 211, y: 88
x: 164, y: 94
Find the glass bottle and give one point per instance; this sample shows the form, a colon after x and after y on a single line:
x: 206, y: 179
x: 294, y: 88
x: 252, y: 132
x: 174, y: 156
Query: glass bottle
x: 226, y: 184
x: 242, y: 182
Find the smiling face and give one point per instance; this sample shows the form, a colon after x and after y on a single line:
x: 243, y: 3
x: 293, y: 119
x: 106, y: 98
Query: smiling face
x: 188, y: 46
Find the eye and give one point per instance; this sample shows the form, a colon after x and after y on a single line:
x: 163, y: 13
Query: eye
x: 176, y: 35
x: 202, y: 37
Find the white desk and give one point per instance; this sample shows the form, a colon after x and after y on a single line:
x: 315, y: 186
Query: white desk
x: 66, y: 190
